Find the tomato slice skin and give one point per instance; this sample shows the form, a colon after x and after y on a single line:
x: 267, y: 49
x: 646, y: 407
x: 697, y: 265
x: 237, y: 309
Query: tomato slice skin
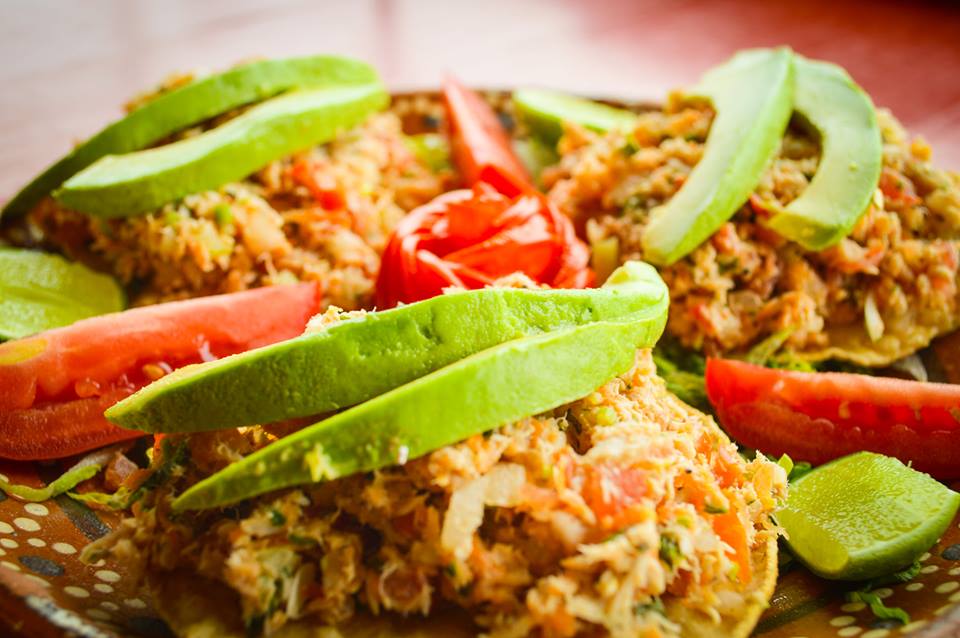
x: 61, y: 429
x: 54, y: 386
x: 469, y: 238
x: 480, y: 146
x: 820, y: 416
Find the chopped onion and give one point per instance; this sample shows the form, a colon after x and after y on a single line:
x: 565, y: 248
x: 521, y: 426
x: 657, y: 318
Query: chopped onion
x: 872, y: 318
x: 912, y: 365
x: 500, y: 487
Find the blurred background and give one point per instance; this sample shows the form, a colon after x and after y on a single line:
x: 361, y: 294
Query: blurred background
x: 67, y: 67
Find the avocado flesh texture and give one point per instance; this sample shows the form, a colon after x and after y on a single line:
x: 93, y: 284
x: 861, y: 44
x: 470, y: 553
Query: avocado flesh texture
x: 189, y: 105
x: 546, y: 111
x: 851, y: 157
x: 360, y: 358
x: 137, y: 183
x: 509, y: 381
x: 752, y: 96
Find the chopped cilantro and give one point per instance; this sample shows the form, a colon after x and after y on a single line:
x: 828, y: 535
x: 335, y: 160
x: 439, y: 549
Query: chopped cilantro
x: 655, y: 605
x: 670, y: 551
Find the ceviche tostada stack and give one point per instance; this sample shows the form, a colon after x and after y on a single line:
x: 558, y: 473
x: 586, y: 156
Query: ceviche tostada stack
x: 402, y: 364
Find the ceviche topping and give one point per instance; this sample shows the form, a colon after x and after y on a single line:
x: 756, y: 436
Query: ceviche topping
x: 55, y: 386
x: 744, y: 136
x: 190, y: 103
x: 347, y: 358
x: 478, y: 393
x: 140, y: 181
x: 850, y: 158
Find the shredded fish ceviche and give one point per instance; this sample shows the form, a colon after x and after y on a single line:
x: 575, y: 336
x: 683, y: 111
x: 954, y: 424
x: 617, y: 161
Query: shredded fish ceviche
x: 881, y: 293
x: 583, y: 519
x: 321, y: 215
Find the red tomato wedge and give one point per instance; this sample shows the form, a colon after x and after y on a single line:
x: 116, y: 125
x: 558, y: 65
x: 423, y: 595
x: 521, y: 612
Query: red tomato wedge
x: 820, y: 416
x: 479, y: 144
x: 54, y: 386
x: 469, y: 238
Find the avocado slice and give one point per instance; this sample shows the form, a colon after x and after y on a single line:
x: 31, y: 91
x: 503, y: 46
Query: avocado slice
x: 851, y: 157
x: 136, y: 183
x: 360, y: 358
x: 545, y: 112
x: 485, y: 390
x: 752, y: 95
x: 191, y: 104
x: 40, y: 291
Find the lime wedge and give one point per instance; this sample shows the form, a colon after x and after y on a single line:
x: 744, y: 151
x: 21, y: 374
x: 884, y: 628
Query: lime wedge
x: 39, y: 291
x: 865, y: 515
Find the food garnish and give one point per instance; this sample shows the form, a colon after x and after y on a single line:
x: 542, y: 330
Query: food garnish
x: 55, y: 386
x: 865, y: 516
x: 820, y: 416
x: 509, y: 381
x: 850, y: 158
x: 471, y: 238
x: 191, y: 104
x: 545, y: 113
x: 40, y: 291
x: 480, y: 146
x: 138, y: 182
x: 752, y: 95
x: 357, y: 358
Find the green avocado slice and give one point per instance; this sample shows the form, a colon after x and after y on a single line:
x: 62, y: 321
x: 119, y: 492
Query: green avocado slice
x: 136, y: 183
x: 191, y: 104
x: 752, y: 95
x: 546, y: 111
x: 379, y: 351
x: 40, y: 291
x: 480, y: 392
x: 850, y: 161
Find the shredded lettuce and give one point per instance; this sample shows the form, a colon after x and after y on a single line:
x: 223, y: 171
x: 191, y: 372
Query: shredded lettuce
x: 879, y: 610
x: 793, y: 469
x: 124, y: 498
x: 67, y: 481
x: 868, y: 596
x: 682, y: 370
x: 763, y: 352
x: 86, y: 468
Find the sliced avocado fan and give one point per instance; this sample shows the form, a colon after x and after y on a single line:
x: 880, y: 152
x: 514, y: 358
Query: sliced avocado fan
x: 359, y: 358
x: 851, y: 157
x: 506, y: 382
x: 752, y: 95
x: 191, y: 104
x: 137, y: 183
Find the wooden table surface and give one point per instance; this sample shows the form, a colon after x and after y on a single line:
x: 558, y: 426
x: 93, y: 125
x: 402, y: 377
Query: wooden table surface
x: 68, y: 66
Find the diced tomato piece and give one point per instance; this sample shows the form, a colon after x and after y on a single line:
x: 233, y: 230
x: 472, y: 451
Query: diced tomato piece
x: 732, y: 532
x: 613, y: 493
x: 54, y: 386
x: 820, y: 416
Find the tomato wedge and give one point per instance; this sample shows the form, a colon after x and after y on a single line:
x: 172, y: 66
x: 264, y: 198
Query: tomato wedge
x: 820, y: 416
x: 479, y: 144
x: 469, y: 238
x: 54, y: 386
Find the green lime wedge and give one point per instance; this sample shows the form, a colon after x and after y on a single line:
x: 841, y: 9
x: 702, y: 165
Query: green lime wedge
x: 39, y: 291
x: 864, y: 516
